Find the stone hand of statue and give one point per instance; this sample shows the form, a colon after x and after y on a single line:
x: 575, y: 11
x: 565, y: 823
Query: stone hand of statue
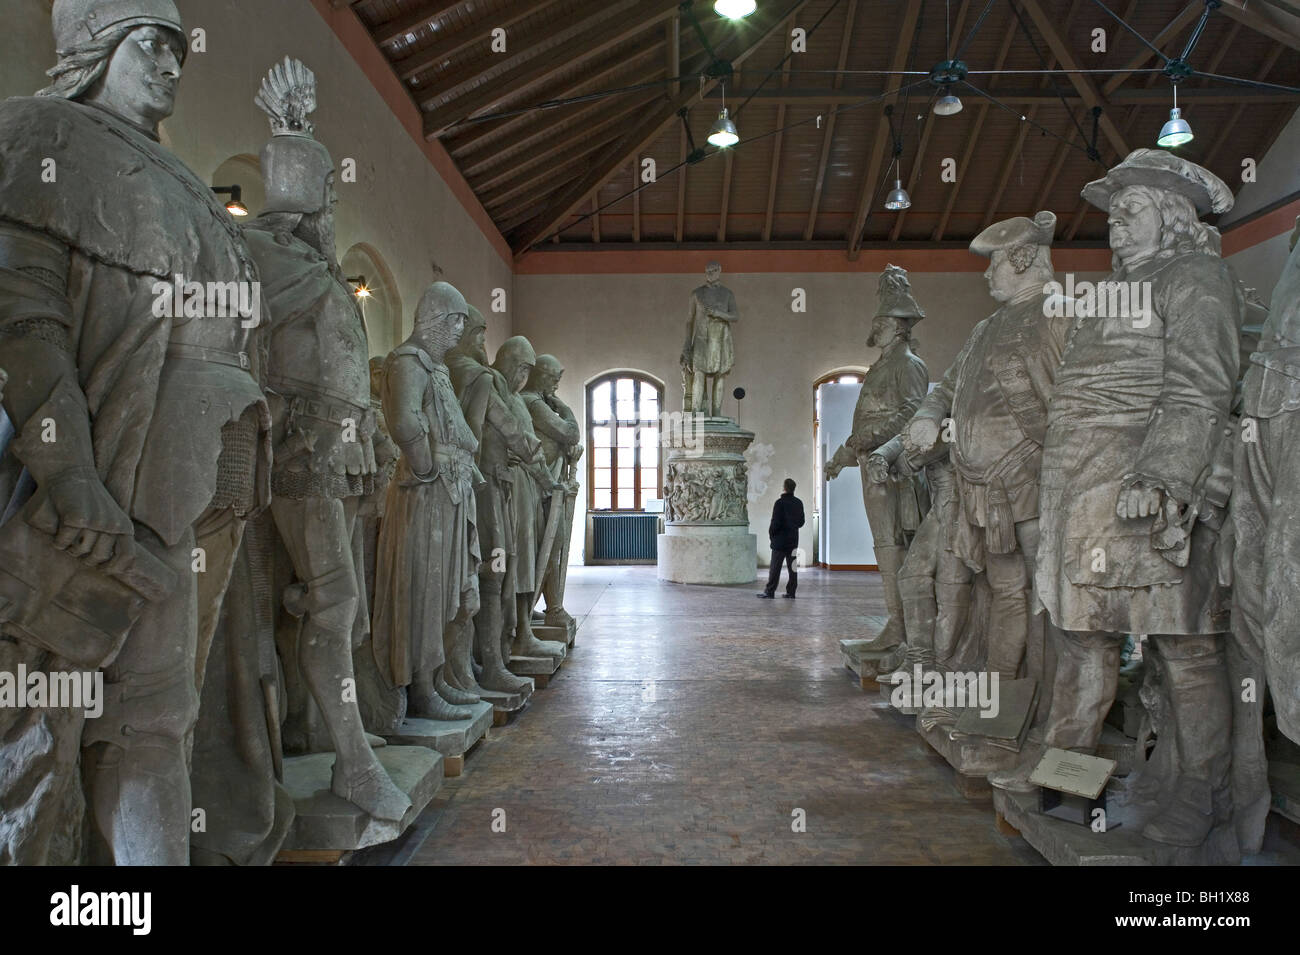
x: 1138, y: 499
x: 82, y: 516
x: 877, y: 469
x: 922, y: 433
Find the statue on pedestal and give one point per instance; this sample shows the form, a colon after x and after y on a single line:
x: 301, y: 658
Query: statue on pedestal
x: 1128, y: 523
x: 427, y: 575
x: 139, y: 424
x: 891, y: 392
x: 557, y: 428
x: 530, y: 480
x: 708, y: 355
x: 484, y: 397
x: 319, y: 388
x: 994, y: 398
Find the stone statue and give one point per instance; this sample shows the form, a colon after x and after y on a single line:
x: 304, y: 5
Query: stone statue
x: 934, y: 584
x: 371, y: 512
x: 708, y: 355
x: 515, y: 361
x: 994, y: 398
x: 154, y: 436
x: 558, y: 430
x: 427, y: 574
x: 1265, y: 641
x: 1128, y: 526
x: 891, y: 392
x: 319, y: 388
x: 484, y: 397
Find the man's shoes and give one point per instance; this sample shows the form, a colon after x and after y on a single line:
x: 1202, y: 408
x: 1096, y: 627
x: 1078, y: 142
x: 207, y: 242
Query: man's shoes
x: 766, y: 596
x: 788, y: 596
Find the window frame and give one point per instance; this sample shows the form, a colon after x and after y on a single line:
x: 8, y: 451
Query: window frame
x: 615, y: 423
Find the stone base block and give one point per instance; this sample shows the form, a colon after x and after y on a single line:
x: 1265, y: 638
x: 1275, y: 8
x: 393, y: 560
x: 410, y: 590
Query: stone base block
x: 1067, y: 843
x: 448, y: 737
x: 708, y: 555
x: 326, y: 822
x: 865, y: 663
x: 565, y: 635
x: 540, y: 669
x: 506, y: 703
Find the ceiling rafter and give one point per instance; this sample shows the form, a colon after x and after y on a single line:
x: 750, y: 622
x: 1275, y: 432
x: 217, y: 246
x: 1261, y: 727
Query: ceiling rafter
x: 636, y: 139
x: 828, y: 134
x: 1186, y: 17
x: 778, y: 143
x: 579, y: 49
x: 906, y: 31
x: 409, y: 67
x: 417, y: 19
x: 1281, y: 27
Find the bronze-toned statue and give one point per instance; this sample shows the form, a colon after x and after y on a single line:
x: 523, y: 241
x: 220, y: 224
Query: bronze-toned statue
x: 1128, y: 524
x: 319, y: 387
x: 139, y: 423
x: 427, y: 575
x: 891, y: 392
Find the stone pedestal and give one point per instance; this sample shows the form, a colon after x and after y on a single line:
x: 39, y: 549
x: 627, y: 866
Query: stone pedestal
x: 326, y: 823
x: 706, y: 538
x: 452, y: 738
x: 564, y: 635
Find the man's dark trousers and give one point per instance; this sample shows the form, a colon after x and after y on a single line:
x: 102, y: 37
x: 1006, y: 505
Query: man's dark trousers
x: 780, y: 557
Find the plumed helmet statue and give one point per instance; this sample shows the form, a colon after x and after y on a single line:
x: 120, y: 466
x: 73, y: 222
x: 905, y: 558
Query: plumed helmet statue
x: 294, y: 165
x: 894, y: 294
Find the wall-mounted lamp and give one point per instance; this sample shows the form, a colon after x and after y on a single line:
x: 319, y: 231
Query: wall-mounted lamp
x: 362, y: 290
x: 236, y: 205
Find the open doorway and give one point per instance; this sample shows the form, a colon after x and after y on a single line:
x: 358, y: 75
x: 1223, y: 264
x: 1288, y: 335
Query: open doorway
x: 841, y: 530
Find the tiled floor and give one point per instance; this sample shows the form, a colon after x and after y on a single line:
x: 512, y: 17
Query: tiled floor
x: 688, y: 725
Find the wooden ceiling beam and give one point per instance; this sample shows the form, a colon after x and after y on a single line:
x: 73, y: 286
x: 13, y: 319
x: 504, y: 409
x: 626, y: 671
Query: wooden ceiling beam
x: 1230, y: 128
x: 813, y: 98
x: 485, y: 136
x: 828, y: 134
x: 581, y: 133
x: 1272, y: 23
x: 417, y: 19
x: 971, y: 141
x: 726, y: 195
x: 907, y: 29
x: 778, y: 143
x: 1083, y: 83
x: 579, y: 49
x: 1008, y: 165
x: 637, y: 139
x: 915, y: 175
x: 1185, y: 18
x: 409, y: 67
x: 550, y: 174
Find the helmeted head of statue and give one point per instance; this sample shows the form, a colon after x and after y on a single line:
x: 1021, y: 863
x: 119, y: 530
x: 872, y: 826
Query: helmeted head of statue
x: 516, y: 360
x: 897, y: 310
x: 298, y: 171
x: 546, y: 375
x: 136, y: 80
x: 440, y: 318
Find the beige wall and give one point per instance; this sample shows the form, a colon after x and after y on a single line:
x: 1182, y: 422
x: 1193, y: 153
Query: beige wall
x: 595, y: 323
x: 399, y: 204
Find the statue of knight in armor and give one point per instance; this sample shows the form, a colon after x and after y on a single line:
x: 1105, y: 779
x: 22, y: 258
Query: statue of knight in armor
x: 319, y: 389
x: 484, y: 399
x: 557, y: 428
x: 1128, y: 520
x: 994, y: 398
x: 530, y: 481
x: 891, y: 392
x: 141, y: 428
x: 427, y: 575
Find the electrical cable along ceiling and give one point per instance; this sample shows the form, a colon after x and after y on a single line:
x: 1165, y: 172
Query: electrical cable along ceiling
x: 584, y: 123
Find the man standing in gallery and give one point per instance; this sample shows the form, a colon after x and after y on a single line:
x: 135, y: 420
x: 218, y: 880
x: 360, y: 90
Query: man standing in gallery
x: 1128, y: 530
x: 891, y: 392
x: 783, y: 534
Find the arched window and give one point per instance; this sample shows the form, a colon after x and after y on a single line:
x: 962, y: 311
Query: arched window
x: 624, y: 466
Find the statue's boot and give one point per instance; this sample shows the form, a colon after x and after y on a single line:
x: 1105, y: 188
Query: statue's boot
x: 487, y: 642
x: 890, y: 562
x: 425, y: 702
x: 558, y: 617
x: 954, y: 610
x: 892, y: 660
x: 526, y: 643
x: 1202, y: 712
x: 453, y: 695
x: 458, y: 671
x: 906, y: 668
x: 325, y: 657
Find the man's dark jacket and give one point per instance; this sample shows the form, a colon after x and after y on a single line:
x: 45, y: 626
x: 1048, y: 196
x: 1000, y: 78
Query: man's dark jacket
x: 787, y: 518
